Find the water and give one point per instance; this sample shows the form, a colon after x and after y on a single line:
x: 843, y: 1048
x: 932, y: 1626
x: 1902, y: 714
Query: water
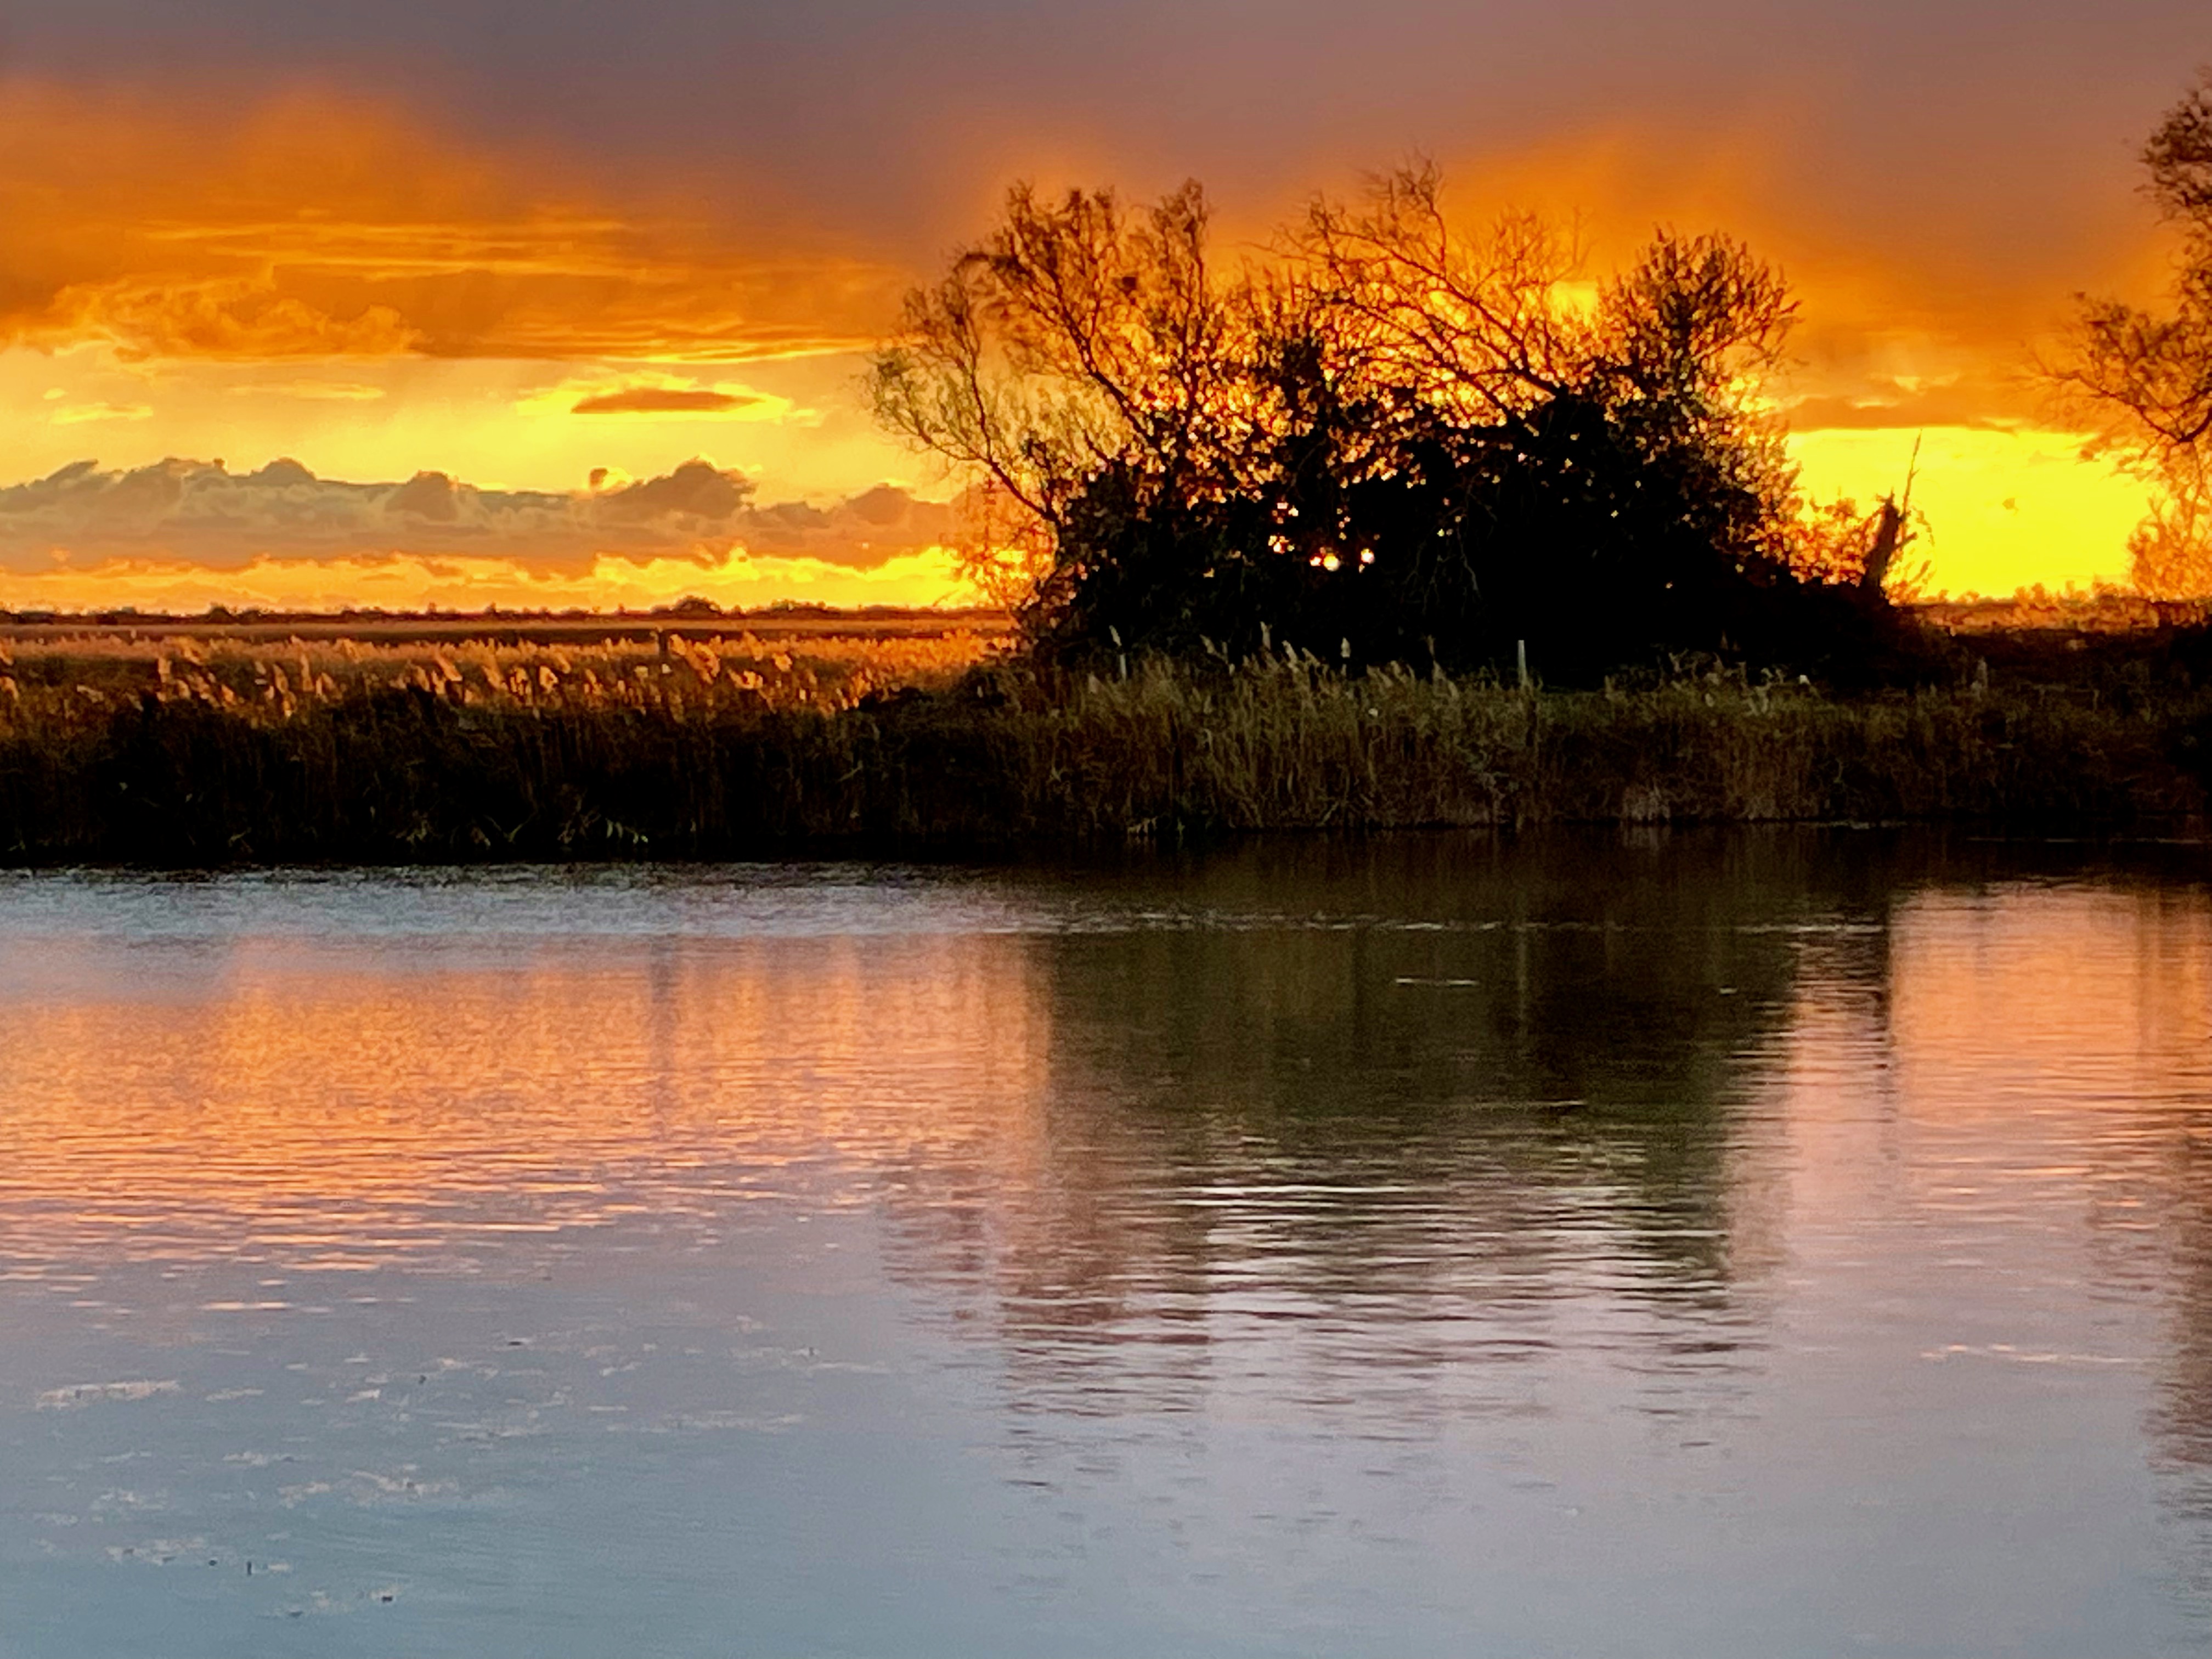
x: 1743, y: 1244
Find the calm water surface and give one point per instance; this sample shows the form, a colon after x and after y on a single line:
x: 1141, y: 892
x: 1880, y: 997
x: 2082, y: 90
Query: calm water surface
x: 1757, y: 1244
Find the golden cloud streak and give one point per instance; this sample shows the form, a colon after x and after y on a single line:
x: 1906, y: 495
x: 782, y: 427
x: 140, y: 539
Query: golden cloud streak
x: 661, y: 400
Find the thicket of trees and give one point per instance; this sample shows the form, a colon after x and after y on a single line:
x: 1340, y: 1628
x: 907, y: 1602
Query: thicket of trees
x: 2148, y: 375
x: 1384, y: 439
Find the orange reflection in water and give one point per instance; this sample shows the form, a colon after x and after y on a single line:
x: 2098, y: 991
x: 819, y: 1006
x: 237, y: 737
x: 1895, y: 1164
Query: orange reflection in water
x: 1997, y: 1108
x: 279, y: 1102
x: 2107, y: 990
x: 1978, y: 1039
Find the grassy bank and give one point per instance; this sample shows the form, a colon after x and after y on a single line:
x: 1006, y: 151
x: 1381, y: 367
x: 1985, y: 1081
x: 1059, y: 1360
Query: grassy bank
x: 170, y: 756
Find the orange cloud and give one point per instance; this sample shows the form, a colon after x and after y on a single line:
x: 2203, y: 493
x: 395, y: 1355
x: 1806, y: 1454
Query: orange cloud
x: 1914, y: 310
x: 216, y: 317
x: 663, y: 400
x: 314, y: 227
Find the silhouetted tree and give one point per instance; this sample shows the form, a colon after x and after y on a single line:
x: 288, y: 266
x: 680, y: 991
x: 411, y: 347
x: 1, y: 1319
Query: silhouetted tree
x: 1388, y: 439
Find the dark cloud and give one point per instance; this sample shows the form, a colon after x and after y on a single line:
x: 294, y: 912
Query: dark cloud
x: 198, y: 512
x: 695, y: 491
x: 1956, y: 118
x: 428, y: 495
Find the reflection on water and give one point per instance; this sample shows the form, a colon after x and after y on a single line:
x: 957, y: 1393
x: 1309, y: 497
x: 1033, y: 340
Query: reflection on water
x: 1751, y: 1243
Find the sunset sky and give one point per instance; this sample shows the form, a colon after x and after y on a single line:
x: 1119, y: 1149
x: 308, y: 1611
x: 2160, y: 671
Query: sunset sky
x: 551, y: 302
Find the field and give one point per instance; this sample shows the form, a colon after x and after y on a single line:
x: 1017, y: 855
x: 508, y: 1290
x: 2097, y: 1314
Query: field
x: 63, y: 669
x: 157, y: 741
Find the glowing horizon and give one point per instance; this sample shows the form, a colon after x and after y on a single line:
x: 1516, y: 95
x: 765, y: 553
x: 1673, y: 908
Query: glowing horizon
x: 1975, y: 484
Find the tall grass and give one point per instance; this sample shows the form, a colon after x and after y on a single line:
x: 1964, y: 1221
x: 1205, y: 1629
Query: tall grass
x: 175, y: 755
x: 60, y: 677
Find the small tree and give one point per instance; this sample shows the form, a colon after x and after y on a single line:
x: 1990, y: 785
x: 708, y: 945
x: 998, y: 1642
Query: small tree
x: 2147, y: 377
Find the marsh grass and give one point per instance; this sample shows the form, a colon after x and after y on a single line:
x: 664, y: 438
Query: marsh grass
x: 179, y: 754
x: 59, y: 678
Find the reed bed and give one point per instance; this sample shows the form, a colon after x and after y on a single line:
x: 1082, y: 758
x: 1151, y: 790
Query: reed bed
x: 349, y: 752
x: 670, y: 670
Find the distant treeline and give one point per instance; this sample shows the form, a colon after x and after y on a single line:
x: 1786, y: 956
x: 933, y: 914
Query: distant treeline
x: 374, y: 622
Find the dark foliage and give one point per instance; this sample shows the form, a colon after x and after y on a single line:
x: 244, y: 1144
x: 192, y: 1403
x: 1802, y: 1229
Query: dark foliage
x: 1554, y: 536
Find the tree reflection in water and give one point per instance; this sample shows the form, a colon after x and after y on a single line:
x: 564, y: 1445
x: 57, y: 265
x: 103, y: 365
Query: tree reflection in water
x: 1398, y: 1114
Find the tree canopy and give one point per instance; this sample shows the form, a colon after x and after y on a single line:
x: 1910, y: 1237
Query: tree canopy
x: 1382, y: 437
